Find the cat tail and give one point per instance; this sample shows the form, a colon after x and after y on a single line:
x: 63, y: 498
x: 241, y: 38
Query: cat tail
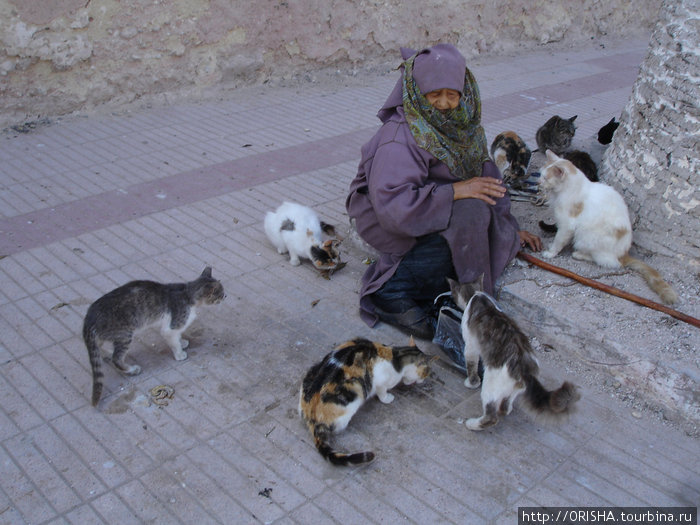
x: 559, y: 402
x: 90, y: 338
x: 322, y: 436
x: 652, y: 277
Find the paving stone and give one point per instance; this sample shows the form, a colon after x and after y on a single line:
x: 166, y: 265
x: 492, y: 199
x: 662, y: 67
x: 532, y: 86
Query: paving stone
x: 161, y: 192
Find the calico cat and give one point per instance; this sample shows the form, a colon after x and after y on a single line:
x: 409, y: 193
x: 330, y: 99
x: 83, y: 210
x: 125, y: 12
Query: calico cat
x: 556, y: 134
x: 335, y: 388
x: 594, y: 216
x: 512, y: 156
x: 117, y: 315
x: 510, y: 367
x: 297, y: 229
x: 605, y: 134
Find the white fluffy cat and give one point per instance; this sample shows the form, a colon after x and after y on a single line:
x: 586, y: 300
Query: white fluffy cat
x: 297, y: 229
x: 594, y: 216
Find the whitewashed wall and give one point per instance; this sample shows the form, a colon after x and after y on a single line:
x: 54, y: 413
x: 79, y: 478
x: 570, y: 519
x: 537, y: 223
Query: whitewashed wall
x: 60, y: 56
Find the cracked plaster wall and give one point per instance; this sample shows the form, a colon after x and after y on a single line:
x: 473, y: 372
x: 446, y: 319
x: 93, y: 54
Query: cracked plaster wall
x: 60, y: 56
x: 653, y: 159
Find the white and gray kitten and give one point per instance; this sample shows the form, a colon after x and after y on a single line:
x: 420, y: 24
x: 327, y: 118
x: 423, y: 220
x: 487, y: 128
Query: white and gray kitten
x: 510, y: 367
x: 116, y: 316
x: 296, y: 229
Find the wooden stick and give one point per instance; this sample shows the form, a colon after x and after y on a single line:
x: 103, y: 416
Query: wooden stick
x: 610, y: 289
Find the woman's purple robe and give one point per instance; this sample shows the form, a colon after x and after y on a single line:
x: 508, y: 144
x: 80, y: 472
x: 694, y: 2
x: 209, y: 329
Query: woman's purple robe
x: 402, y: 192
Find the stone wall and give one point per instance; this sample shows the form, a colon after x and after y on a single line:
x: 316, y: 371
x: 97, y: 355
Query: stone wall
x: 60, y: 56
x: 653, y: 159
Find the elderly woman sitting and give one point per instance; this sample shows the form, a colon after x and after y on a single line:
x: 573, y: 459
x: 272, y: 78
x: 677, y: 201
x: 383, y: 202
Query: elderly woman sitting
x: 427, y: 197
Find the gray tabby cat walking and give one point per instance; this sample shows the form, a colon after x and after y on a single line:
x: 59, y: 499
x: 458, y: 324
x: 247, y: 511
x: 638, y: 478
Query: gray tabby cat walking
x: 116, y: 316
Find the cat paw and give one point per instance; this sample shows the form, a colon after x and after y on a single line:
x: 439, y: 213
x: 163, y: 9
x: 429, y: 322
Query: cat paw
x: 180, y: 356
x: 548, y: 254
x: 294, y: 262
x: 472, y: 384
x: 184, y: 343
x: 133, y: 370
x: 281, y: 251
x: 387, y: 398
x: 473, y: 423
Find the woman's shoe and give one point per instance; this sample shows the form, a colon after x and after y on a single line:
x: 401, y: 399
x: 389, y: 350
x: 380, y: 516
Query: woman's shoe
x: 414, y: 321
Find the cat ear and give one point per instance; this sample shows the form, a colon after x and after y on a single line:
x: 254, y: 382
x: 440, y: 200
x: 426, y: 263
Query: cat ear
x: 411, y: 342
x: 551, y: 156
x: 480, y: 282
x: 558, y: 172
x: 328, y: 229
x: 573, y: 118
x: 206, y: 273
x: 453, y: 284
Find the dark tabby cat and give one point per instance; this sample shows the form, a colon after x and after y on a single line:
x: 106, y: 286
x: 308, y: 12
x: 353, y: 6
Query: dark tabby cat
x: 334, y: 389
x: 116, y: 316
x: 583, y: 162
x: 511, y: 155
x: 510, y: 367
x: 556, y: 134
x: 605, y: 134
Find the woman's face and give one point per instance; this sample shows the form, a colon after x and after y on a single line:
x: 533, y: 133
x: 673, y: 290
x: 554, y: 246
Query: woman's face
x: 443, y: 99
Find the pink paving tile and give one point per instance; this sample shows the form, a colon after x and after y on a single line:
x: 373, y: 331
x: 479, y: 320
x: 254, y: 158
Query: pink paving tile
x: 102, y: 464
x: 7, y: 427
x: 339, y: 509
x: 264, y: 291
x: 61, y: 390
x: 16, y: 408
x: 41, y: 471
x: 21, y: 199
x: 8, y: 206
x: 353, y: 491
x: 13, y: 315
x: 34, y: 392
x: 310, y: 513
x: 27, y: 500
x: 168, y: 490
x: 297, y: 470
x: 112, y: 509
x: 31, y: 308
x: 84, y: 514
x: 238, y: 480
x: 112, y: 207
x: 198, y: 483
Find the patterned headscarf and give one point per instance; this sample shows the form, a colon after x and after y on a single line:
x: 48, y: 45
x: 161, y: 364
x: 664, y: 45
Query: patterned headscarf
x: 455, y: 136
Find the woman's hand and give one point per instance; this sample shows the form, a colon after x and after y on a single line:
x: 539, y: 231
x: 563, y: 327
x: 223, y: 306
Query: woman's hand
x: 531, y: 240
x: 485, y: 188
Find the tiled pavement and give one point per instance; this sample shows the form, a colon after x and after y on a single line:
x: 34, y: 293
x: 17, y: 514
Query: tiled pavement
x: 89, y: 203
